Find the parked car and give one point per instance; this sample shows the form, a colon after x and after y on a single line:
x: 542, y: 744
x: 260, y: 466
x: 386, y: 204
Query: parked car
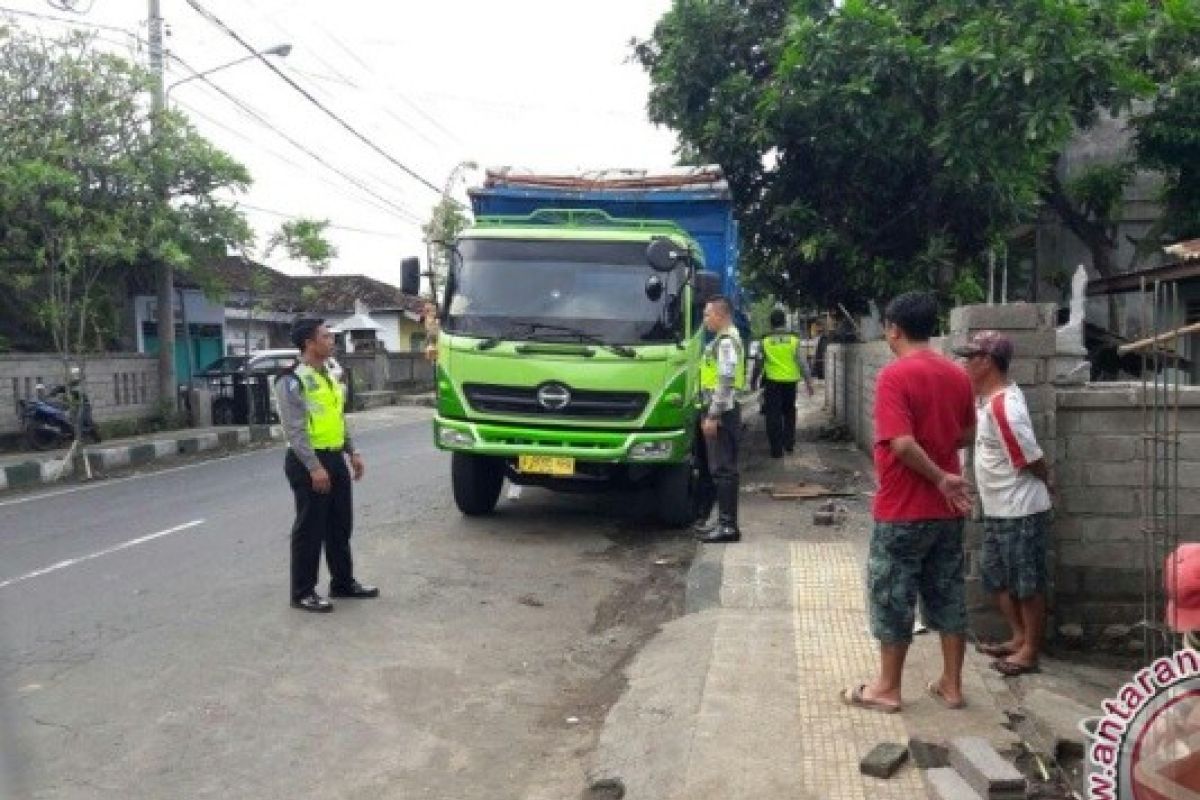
x: 226, y: 365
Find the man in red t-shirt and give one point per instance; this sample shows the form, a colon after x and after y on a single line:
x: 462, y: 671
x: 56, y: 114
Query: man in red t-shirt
x: 924, y: 413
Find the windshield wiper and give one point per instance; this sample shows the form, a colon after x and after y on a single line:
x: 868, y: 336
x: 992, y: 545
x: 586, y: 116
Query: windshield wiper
x: 530, y: 328
x: 583, y: 336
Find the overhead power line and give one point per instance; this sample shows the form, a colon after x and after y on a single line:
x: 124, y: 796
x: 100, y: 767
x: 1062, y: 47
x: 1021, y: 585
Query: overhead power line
x: 215, y: 20
x: 258, y: 117
x: 333, y: 226
x: 341, y: 189
x: 66, y: 20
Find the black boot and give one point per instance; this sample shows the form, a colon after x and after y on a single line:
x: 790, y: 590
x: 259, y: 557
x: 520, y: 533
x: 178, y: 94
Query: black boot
x: 706, y: 521
x: 727, y: 526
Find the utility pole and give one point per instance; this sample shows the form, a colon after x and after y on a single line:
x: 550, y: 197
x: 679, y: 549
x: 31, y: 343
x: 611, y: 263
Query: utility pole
x: 166, y: 275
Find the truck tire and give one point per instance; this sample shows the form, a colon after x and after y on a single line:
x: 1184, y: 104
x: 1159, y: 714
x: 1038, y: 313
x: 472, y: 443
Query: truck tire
x: 677, y: 494
x: 477, y: 481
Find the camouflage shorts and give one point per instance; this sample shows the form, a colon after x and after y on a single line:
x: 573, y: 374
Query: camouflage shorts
x: 911, y: 562
x: 1014, y: 554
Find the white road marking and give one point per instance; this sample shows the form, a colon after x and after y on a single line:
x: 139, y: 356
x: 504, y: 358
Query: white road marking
x: 70, y: 562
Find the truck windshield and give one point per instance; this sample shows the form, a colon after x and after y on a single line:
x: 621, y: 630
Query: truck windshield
x: 534, y: 289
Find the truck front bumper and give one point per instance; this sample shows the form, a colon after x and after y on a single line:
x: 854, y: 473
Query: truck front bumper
x: 507, y: 440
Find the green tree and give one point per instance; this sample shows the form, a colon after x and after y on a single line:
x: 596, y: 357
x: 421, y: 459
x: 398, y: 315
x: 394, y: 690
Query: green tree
x: 305, y: 240
x: 87, y: 192
x: 447, y: 220
x: 880, y: 145
x: 1168, y: 140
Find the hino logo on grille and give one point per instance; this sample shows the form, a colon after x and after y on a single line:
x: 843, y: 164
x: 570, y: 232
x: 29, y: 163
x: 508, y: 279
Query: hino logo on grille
x: 553, y: 397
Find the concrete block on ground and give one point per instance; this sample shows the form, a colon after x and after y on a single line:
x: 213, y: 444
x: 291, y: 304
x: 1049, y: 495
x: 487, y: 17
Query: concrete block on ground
x: 928, y: 755
x: 946, y: 784
x: 208, y: 441
x: 984, y: 770
x: 3, y: 479
x: 883, y: 760
x: 260, y: 433
x: 189, y: 445
x: 165, y: 447
x: 227, y: 438
x: 1059, y: 719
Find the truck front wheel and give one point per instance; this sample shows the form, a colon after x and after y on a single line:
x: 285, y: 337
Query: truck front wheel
x: 477, y: 481
x: 676, y: 494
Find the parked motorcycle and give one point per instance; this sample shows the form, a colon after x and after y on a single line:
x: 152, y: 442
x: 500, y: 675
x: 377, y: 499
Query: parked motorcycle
x: 46, y: 420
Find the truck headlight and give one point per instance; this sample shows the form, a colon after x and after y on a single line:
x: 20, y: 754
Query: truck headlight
x: 650, y: 451
x: 451, y: 437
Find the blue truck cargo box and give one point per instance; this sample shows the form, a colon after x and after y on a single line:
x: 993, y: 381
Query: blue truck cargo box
x: 705, y: 212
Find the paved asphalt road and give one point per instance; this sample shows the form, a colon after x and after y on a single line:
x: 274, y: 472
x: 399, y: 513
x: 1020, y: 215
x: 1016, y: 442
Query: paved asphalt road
x: 147, y: 649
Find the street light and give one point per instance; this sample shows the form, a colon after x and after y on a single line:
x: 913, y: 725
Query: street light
x: 281, y: 50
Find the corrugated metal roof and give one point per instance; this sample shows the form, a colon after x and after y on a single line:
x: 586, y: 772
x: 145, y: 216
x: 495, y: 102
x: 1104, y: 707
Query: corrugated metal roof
x: 1185, y: 251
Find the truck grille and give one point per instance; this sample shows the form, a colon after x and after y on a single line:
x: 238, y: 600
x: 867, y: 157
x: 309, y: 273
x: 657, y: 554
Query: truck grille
x: 583, y: 403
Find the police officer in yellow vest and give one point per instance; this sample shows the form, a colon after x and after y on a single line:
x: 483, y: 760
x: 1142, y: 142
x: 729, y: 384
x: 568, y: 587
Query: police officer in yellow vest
x: 782, y: 367
x: 722, y: 375
x: 311, y: 409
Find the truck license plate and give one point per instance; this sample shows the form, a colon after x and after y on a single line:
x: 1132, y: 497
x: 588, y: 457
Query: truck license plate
x: 546, y: 465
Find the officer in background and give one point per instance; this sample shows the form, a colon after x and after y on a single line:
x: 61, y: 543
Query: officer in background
x: 722, y: 375
x: 782, y: 367
x: 311, y: 410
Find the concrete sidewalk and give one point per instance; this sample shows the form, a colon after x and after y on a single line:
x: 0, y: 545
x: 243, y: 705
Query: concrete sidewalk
x: 740, y: 698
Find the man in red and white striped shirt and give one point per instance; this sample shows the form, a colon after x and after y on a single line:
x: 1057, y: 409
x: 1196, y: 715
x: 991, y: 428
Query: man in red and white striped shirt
x: 1014, y: 489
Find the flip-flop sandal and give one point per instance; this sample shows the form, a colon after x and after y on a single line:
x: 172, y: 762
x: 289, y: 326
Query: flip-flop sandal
x: 994, y: 649
x: 1011, y: 669
x: 854, y: 697
x: 933, y: 691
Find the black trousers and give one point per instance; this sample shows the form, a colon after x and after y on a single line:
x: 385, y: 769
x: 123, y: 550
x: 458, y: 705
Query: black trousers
x: 779, y: 406
x: 718, y: 463
x: 321, y: 519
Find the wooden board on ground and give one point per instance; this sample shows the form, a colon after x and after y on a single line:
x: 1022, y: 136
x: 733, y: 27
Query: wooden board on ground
x: 804, y: 491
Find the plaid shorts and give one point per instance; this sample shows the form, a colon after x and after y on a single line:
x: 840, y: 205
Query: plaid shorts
x: 911, y: 562
x: 1014, y: 554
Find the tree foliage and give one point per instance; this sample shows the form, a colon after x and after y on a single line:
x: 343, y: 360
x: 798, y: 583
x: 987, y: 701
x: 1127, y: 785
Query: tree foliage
x: 878, y: 145
x: 304, y: 240
x: 1168, y: 140
x: 88, y: 189
x: 446, y: 221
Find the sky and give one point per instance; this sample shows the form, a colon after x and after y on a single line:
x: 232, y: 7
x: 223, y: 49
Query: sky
x: 542, y: 84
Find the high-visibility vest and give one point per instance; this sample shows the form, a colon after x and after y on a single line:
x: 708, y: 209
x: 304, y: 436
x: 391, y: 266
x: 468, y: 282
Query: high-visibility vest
x: 708, y: 364
x: 779, y: 353
x: 324, y: 400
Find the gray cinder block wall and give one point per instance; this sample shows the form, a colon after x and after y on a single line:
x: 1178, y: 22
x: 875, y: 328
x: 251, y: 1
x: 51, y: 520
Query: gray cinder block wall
x: 1102, y: 478
x: 121, y: 386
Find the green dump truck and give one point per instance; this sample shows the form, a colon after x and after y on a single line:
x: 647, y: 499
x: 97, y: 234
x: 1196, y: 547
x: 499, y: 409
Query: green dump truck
x: 571, y: 335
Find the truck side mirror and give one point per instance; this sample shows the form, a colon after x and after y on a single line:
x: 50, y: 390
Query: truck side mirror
x: 706, y: 285
x: 663, y: 255
x: 410, y: 276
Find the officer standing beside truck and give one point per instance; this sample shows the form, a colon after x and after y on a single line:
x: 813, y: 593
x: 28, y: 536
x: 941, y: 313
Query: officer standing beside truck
x: 311, y: 408
x: 722, y: 375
